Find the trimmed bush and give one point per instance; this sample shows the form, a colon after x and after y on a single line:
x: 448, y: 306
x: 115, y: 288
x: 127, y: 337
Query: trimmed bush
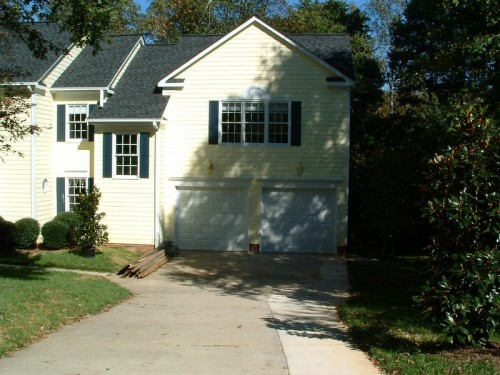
x: 27, y: 231
x: 55, y: 234
x: 7, y: 236
x: 72, y: 220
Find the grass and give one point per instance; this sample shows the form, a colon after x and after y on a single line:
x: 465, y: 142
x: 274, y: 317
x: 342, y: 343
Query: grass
x: 384, y: 322
x: 107, y: 259
x: 34, y: 302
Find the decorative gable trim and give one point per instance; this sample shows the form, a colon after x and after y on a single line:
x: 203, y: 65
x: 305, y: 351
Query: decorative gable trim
x: 254, y: 21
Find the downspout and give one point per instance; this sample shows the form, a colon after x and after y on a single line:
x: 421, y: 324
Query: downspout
x: 157, y: 225
x: 33, y: 152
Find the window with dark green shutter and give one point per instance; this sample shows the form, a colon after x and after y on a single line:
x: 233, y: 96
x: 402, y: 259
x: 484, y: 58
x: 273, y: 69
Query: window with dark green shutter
x: 255, y: 122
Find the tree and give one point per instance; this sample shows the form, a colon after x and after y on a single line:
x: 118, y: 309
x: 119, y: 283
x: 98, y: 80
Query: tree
x: 448, y: 48
x: 87, y: 22
x: 168, y: 20
x: 382, y: 15
x: 90, y: 232
x: 463, y: 185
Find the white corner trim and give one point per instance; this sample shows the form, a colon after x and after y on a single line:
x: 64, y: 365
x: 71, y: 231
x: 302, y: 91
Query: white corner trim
x: 252, y: 21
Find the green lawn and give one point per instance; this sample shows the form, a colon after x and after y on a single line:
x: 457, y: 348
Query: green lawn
x: 107, y: 259
x: 34, y: 302
x: 385, y: 323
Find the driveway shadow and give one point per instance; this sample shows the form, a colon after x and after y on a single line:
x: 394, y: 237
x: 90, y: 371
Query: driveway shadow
x: 302, y: 290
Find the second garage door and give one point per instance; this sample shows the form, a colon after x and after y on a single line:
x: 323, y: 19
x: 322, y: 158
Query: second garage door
x: 298, y: 220
x: 212, y: 219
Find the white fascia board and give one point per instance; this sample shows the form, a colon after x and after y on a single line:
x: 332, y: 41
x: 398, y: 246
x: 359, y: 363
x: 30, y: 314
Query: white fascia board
x: 251, y: 21
x: 341, y: 84
x: 139, y: 43
x: 62, y: 56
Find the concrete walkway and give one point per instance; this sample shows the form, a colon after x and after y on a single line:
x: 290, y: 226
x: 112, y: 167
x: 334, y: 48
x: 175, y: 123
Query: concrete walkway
x: 212, y: 313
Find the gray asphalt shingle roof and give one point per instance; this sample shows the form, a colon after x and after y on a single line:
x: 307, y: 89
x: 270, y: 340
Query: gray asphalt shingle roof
x: 136, y: 96
x: 15, y: 53
x: 89, y: 70
x: 335, y: 49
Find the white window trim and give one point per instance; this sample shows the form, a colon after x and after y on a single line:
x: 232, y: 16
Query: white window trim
x: 266, y: 124
x: 126, y: 177
x: 67, y: 124
x: 66, y: 188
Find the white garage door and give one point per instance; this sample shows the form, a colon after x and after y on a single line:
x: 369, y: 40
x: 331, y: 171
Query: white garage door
x: 298, y: 220
x: 212, y: 219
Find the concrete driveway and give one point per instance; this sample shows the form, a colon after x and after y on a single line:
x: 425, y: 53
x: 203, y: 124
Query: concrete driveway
x: 212, y: 313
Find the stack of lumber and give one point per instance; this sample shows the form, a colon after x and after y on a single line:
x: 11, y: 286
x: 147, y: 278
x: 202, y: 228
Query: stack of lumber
x: 146, y: 264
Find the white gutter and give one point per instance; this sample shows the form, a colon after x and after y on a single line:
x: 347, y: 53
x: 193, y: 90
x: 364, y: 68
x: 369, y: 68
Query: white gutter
x: 56, y: 89
x: 33, y: 152
x: 154, y: 121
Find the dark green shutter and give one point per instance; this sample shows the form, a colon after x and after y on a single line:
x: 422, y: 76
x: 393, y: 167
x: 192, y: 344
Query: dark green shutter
x: 61, y: 122
x: 91, y: 126
x: 107, y: 155
x: 144, y: 155
x: 213, y: 122
x: 296, y: 123
x: 90, y: 184
x: 60, y: 194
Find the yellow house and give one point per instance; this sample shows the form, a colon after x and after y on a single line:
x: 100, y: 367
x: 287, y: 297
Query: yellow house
x: 231, y: 142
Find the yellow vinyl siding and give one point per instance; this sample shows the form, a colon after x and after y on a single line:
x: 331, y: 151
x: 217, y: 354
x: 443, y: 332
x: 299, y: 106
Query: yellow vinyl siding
x: 45, y: 210
x: 254, y: 58
x: 15, y: 182
x: 127, y: 203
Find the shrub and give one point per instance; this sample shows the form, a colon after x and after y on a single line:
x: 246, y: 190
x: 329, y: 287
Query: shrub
x: 55, y: 234
x: 72, y: 220
x: 463, y: 292
x: 27, y: 231
x: 7, y: 236
x: 90, y: 233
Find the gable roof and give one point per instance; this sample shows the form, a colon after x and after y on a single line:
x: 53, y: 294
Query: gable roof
x: 334, y: 49
x: 136, y: 96
x: 89, y: 70
x: 326, y: 59
x: 17, y: 54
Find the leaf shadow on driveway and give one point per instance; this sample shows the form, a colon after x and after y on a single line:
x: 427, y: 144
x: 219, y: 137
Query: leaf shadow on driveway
x: 302, y: 290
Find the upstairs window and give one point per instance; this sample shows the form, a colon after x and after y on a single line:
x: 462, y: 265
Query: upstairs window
x: 77, y: 121
x: 255, y: 122
x: 126, y: 155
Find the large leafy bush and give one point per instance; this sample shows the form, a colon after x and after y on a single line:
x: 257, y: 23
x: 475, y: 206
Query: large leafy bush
x: 27, y: 231
x: 71, y: 219
x: 464, y: 185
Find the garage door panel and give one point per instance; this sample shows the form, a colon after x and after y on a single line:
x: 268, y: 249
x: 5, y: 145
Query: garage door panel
x: 298, y: 220
x: 212, y: 219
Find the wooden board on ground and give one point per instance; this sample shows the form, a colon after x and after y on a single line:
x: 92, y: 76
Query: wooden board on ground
x: 146, y: 264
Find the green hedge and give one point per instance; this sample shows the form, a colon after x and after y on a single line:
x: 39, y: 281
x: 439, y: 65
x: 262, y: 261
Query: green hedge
x: 55, y: 234
x: 27, y: 231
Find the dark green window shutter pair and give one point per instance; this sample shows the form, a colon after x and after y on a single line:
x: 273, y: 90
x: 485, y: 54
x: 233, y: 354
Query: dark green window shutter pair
x: 107, y: 157
x: 213, y: 123
x: 61, y: 123
x: 61, y: 192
